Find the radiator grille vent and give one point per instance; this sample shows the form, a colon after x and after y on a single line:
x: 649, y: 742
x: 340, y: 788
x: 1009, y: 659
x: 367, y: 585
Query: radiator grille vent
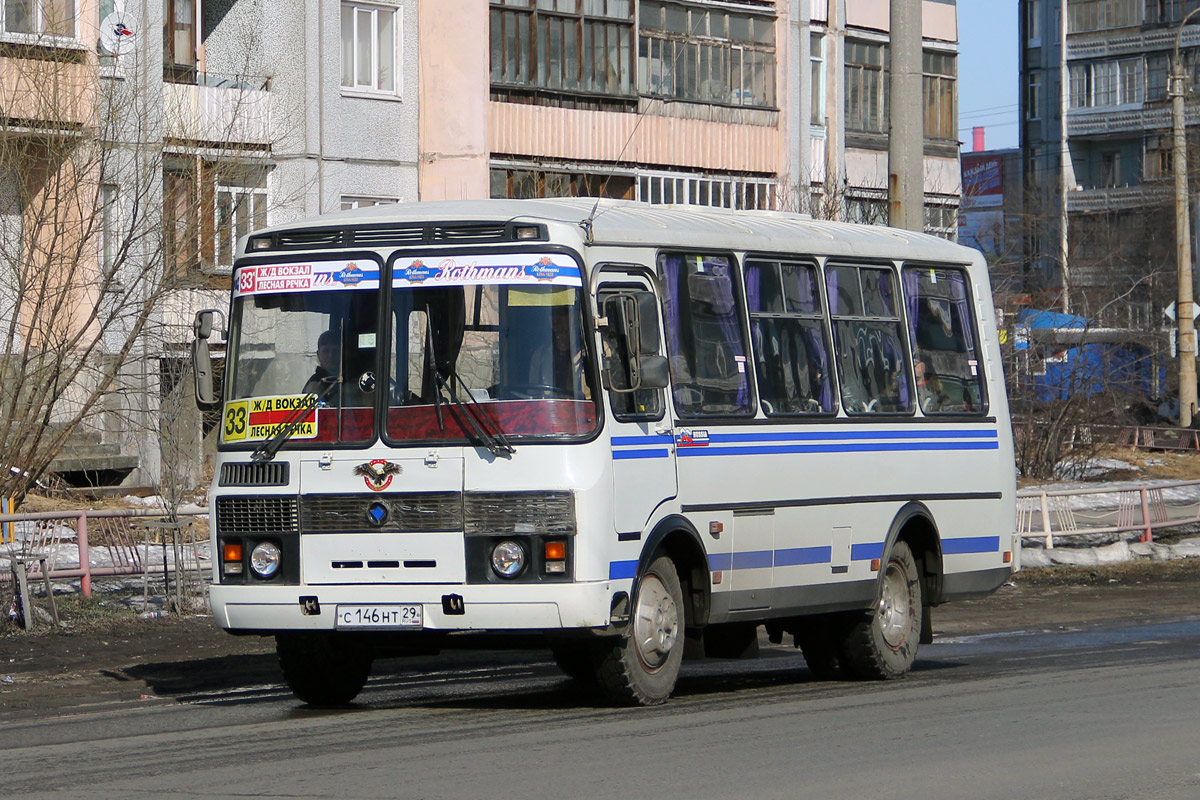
x: 519, y: 512
x: 256, y: 515
x: 395, y: 235
x: 434, y: 511
x: 271, y: 473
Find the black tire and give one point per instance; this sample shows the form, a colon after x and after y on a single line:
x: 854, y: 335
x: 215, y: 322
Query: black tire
x: 323, y: 669
x: 820, y: 642
x: 577, y: 660
x: 641, y: 667
x: 882, y: 643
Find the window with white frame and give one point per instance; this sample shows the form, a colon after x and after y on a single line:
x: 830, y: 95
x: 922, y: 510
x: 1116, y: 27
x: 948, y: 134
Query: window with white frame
x: 369, y: 36
x: 816, y: 60
x: 40, y: 17
x: 1033, y: 96
x: 240, y: 210
x: 351, y: 202
x: 1108, y: 83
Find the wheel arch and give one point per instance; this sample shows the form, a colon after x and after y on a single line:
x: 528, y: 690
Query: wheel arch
x: 914, y: 525
x: 679, y: 540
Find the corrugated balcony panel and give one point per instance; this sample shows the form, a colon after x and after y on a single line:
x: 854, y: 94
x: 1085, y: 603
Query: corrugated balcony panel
x: 1102, y: 122
x: 217, y: 114
x: 572, y: 134
x: 49, y: 92
x: 1116, y: 198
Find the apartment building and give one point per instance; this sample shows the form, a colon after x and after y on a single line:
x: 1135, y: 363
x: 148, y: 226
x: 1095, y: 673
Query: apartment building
x: 1096, y: 148
x: 740, y: 104
x: 215, y: 117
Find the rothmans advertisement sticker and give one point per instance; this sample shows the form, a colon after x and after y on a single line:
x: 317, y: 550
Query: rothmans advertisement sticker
x: 528, y: 270
x: 309, y: 276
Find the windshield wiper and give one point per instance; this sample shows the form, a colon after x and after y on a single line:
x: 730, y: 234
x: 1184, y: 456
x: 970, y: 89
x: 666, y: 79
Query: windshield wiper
x: 496, y: 443
x: 292, y: 423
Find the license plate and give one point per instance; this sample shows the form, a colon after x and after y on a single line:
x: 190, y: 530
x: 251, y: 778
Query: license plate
x: 398, y: 616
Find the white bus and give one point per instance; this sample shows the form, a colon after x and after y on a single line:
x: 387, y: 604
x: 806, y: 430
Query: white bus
x: 634, y: 431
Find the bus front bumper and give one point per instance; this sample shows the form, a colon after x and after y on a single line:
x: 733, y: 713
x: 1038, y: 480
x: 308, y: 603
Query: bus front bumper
x: 491, y: 607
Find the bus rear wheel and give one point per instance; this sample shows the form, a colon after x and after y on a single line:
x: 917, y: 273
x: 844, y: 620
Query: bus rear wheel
x: 323, y: 669
x: 882, y: 643
x: 641, y: 667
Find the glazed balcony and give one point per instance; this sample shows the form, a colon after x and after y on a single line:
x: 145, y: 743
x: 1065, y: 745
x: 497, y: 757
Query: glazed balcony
x: 47, y: 89
x: 219, y: 110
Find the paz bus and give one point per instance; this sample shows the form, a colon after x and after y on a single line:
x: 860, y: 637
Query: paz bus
x: 635, y: 433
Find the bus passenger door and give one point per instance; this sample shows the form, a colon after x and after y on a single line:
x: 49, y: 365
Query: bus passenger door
x: 643, y: 449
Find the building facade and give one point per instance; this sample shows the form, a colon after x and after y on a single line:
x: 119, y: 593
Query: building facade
x: 242, y: 114
x: 1096, y: 148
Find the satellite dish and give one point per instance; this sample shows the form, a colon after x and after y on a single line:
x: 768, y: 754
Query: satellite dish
x: 115, y: 35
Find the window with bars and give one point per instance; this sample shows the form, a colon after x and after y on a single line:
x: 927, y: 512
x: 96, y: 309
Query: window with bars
x: 39, y: 17
x: 369, y: 36
x: 939, y: 85
x: 735, y: 192
x: 705, y: 54
x: 866, y: 86
x: 580, y: 46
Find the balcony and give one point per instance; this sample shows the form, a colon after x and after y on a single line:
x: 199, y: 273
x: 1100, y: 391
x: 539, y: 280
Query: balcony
x: 47, y: 88
x: 219, y: 110
x: 1117, y: 198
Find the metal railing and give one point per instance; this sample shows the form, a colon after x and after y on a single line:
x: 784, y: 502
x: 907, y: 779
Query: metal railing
x: 1107, y: 510
x: 123, y: 536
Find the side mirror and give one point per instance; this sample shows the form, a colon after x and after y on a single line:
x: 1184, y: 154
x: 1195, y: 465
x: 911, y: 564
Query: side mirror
x: 654, y: 372
x: 633, y: 318
x: 647, y: 324
x: 206, y: 396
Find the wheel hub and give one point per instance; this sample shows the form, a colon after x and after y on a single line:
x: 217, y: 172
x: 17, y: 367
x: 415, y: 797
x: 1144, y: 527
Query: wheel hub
x: 894, y: 612
x: 656, y: 623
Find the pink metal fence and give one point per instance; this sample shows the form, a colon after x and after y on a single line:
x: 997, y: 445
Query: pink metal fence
x: 120, y: 533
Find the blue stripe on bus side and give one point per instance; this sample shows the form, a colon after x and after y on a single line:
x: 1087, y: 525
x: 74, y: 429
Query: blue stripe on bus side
x: 802, y: 436
x: 798, y: 556
x: 626, y: 441
x: 619, y: 570
x: 655, y: 452
x: 971, y: 544
x: 849, y: 447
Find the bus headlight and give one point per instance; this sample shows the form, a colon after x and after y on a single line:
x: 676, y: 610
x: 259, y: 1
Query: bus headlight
x: 265, y: 559
x: 508, y: 559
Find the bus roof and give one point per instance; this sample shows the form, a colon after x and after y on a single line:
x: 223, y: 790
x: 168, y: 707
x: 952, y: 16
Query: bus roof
x: 631, y: 223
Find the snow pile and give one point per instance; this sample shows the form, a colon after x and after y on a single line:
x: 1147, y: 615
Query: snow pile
x: 1115, y: 553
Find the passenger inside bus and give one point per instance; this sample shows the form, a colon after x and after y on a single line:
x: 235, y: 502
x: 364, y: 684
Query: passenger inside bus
x: 328, y: 358
x: 557, y: 364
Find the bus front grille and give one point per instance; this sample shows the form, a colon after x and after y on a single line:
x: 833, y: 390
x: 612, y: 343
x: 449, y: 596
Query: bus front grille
x: 256, y: 515
x: 270, y: 473
x: 336, y: 513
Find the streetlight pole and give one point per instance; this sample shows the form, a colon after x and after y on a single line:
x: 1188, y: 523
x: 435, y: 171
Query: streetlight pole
x: 1186, y: 339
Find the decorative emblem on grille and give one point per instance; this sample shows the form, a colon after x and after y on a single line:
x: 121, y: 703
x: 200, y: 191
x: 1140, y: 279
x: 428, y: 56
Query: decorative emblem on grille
x: 378, y: 474
x: 377, y: 514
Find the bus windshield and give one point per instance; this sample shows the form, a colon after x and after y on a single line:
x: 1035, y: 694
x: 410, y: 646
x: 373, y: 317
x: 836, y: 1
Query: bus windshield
x: 302, y: 334
x: 494, y: 342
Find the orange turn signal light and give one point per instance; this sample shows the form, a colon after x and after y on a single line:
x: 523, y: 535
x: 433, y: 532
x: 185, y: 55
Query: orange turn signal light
x: 556, y: 551
x: 232, y: 551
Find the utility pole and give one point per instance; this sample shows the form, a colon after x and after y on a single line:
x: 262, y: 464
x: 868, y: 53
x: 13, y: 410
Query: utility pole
x: 906, y: 135
x: 1186, y: 339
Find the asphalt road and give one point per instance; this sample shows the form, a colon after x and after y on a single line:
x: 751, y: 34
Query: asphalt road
x: 1096, y: 713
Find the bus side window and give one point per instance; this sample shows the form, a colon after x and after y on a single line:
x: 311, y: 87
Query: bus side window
x: 705, y: 343
x: 944, y: 341
x: 791, y: 349
x: 868, y: 339
x: 640, y: 405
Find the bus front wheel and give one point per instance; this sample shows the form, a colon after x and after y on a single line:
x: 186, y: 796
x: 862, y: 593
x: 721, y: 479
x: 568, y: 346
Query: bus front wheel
x: 323, y: 669
x: 882, y: 643
x: 641, y: 667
